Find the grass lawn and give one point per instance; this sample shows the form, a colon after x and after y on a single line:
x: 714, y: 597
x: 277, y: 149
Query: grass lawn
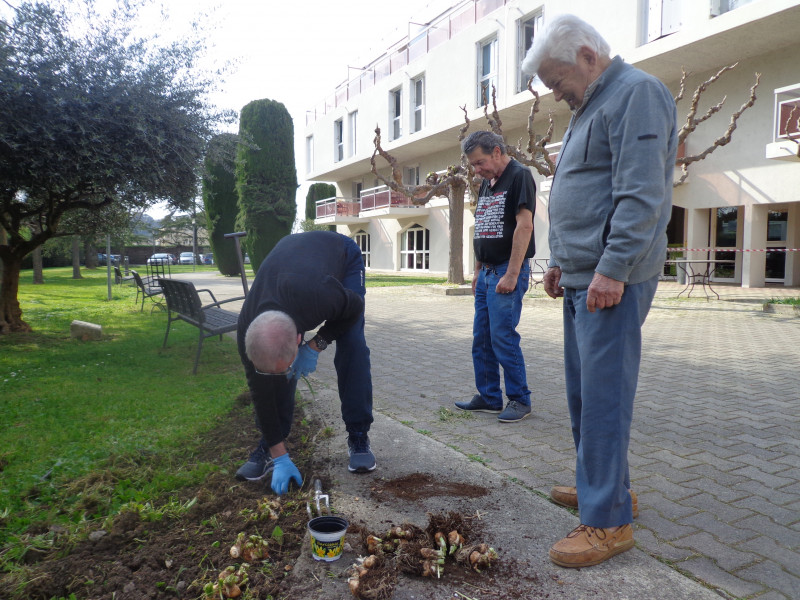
x: 385, y: 280
x: 71, y: 407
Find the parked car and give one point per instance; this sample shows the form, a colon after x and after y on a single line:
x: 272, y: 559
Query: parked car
x: 160, y: 258
x: 207, y: 259
x: 247, y: 259
x: 187, y: 258
x: 101, y: 259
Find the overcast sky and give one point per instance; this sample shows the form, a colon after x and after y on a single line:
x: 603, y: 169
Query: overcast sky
x: 297, y: 51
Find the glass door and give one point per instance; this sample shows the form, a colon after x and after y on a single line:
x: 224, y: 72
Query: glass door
x: 725, y: 237
x: 776, y: 246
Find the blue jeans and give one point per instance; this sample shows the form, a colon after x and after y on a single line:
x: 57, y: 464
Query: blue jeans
x: 602, y: 352
x: 495, y: 340
x: 351, y: 360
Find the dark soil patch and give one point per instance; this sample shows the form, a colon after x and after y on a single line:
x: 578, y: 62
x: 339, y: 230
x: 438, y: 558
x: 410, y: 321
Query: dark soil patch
x: 421, y: 485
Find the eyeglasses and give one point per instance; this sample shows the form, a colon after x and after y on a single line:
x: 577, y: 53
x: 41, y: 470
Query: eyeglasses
x: 284, y: 373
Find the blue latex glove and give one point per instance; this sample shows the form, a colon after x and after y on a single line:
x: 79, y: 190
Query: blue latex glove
x: 282, y: 473
x: 304, y: 363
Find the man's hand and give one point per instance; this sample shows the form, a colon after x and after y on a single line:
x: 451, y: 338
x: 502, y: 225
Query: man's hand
x: 475, y: 279
x: 507, y: 283
x: 552, y: 282
x: 282, y: 473
x: 304, y: 363
x: 603, y: 292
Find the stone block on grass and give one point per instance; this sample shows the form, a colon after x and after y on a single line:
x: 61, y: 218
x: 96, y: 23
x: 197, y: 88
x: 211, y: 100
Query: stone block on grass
x: 85, y: 331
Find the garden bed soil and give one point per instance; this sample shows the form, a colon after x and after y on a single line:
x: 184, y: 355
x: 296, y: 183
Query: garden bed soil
x: 174, y: 557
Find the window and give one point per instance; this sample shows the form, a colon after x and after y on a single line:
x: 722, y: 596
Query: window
x: 722, y: 6
x: 415, y: 249
x: 309, y: 154
x: 487, y: 70
x: 411, y: 175
x: 417, y: 103
x: 338, y: 141
x: 526, y: 29
x: 362, y: 239
x: 663, y: 18
x: 352, y: 126
x: 395, y: 114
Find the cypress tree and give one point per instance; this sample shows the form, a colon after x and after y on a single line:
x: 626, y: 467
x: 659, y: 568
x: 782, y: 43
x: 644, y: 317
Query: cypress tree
x: 266, y: 179
x: 221, y: 201
x: 317, y: 191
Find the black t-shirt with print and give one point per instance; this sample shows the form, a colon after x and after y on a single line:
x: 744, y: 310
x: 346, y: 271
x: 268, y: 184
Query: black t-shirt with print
x: 496, y: 214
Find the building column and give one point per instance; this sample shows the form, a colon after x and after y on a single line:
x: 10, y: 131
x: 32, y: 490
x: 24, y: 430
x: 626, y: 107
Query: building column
x: 698, y: 225
x: 754, y: 264
x: 793, y: 241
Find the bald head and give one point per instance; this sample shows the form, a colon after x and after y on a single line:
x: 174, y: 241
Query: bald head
x: 271, y: 341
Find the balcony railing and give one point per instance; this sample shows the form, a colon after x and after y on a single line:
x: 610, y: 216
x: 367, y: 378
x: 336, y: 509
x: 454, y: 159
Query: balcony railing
x: 383, y: 197
x: 371, y: 199
x: 438, y: 31
x: 337, y: 207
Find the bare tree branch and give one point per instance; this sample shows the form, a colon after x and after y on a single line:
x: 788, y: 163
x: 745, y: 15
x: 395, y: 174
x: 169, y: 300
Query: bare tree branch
x: 495, y: 124
x: 794, y: 137
x: 692, y: 122
x: 418, y: 194
x: 682, y: 90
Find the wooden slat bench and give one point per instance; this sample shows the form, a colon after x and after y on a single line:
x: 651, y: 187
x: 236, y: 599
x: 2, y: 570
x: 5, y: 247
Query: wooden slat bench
x: 183, y: 303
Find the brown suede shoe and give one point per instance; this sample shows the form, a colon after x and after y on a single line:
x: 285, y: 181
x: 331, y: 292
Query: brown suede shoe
x: 566, y: 495
x: 585, y: 546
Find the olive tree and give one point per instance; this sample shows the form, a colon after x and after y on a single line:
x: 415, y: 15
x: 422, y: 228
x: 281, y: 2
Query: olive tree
x: 90, y: 115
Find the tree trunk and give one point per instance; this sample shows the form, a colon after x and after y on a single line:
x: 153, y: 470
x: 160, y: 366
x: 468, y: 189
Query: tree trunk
x: 455, y: 270
x: 76, y: 257
x: 38, y: 276
x: 10, y: 311
x: 3, y: 242
x: 90, y: 253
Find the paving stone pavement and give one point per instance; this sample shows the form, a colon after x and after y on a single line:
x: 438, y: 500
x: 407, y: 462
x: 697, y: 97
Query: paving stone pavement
x: 715, y: 443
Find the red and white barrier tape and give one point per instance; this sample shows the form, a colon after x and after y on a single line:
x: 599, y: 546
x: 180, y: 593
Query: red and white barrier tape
x: 733, y: 249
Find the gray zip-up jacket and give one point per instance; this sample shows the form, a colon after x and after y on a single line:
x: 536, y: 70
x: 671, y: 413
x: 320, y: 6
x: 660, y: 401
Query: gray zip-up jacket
x: 611, y: 197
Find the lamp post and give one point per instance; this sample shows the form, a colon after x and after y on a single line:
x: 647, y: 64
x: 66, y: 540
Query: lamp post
x: 194, y: 234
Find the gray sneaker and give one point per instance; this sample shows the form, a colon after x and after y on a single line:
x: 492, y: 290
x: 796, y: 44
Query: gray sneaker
x: 477, y: 404
x: 514, y: 412
x: 362, y: 459
x: 258, y: 466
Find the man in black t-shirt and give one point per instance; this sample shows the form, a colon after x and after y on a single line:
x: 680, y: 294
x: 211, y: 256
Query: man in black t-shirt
x: 309, y: 279
x: 503, y: 243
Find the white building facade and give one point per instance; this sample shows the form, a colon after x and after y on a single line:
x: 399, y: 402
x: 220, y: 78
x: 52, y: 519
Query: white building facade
x: 741, y: 203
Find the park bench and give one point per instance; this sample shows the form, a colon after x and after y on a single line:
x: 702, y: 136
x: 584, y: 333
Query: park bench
x: 183, y: 303
x: 147, y: 290
x: 119, y: 277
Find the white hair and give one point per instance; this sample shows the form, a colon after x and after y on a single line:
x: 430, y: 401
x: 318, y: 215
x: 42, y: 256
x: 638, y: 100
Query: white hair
x: 271, y: 338
x: 561, y: 39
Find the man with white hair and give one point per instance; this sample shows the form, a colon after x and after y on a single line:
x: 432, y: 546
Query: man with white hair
x: 309, y: 279
x: 609, y: 207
